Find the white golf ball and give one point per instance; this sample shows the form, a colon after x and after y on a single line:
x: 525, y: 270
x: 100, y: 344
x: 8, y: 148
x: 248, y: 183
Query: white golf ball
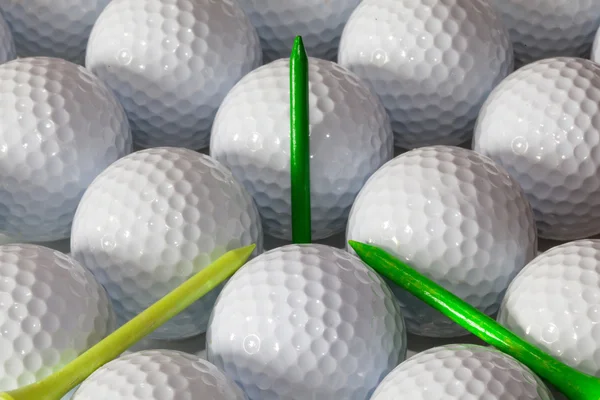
x: 61, y: 126
x: 306, y: 322
x: 155, y: 218
x: 158, y: 375
x: 51, y: 310
x: 320, y: 23
x: 542, y: 124
x: 432, y: 62
x: 455, y: 217
x: 171, y: 63
x: 549, y: 28
x: 7, y: 44
x: 553, y: 304
x: 59, y: 28
x: 350, y: 138
x: 462, y: 372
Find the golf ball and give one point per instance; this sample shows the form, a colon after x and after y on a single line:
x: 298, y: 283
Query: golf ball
x: 320, y: 23
x: 432, y: 62
x: 61, y: 126
x: 350, y: 138
x: 158, y: 375
x: 549, y: 28
x: 155, y: 218
x: 454, y: 216
x: 306, y: 322
x: 542, y: 124
x: 51, y: 310
x: 7, y: 43
x: 553, y: 304
x: 171, y: 63
x: 57, y: 28
x: 462, y: 372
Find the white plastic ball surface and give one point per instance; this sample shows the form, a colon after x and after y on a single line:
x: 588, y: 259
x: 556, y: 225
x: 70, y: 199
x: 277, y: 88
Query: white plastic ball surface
x: 553, y: 304
x: 462, y: 372
x: 171, y: 63
x: 549, y: 28
x: 57, y: 28
x: 455, y: 217
x: 350, y: 138
x: 8, y: 51
x: 542, y: 124
x: 159, y: 375
x: 51, y: 310
x: 155, y: 218
x: 595, y: 53
x: 320, y: 23
x: 432, y: 62
x: 306, y: 322
x: 61, y: 126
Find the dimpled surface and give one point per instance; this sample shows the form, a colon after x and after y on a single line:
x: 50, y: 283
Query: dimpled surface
x: 461, y: 372
x: 432, y: 62
x: 61, y: 126
x: 155, y: 218
x: 306, y: 322
x: 159, y: 375
x: 7, y: 43
x: 454, y: 216
x: 51, y: 310
x: 553, y: 303
x: 320, y: 23
x: 543, y: 125
x: 350, y: 138
x: 549, y: 28
x: 59, y: 28
x: 171, y: 63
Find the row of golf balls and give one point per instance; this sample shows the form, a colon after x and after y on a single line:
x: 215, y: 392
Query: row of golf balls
x: 296, y: 314
x: 64, y: 124
x: 432, y: 62
x: 297, y: 322
x: 545, y: 29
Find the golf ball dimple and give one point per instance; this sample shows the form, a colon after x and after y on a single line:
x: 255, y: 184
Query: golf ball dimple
x: 454, y: 216
x: 61, y: 126
x: 549, y: 28
x: 350, y: 138
x: 155, y: 218
x: 306, y: 322
x: 433, y: 63
x: 158, y: 375
x: 60, y: 28
x: 51, y: 310
x: 542, y: 124
x: 320, y: 23
x: 462, y: 372
x: 7, y: 44
x: 553, y: 304
x: 171, y: 63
